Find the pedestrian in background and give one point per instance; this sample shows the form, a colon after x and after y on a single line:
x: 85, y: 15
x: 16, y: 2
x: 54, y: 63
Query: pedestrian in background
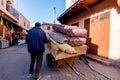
x: 36, y: 38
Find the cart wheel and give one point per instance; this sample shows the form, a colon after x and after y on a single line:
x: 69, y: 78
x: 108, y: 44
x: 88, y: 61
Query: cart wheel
x: 50, y: 60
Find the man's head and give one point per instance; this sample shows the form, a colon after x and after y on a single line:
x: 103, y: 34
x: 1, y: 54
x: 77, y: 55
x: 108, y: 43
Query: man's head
x: 37, y: 24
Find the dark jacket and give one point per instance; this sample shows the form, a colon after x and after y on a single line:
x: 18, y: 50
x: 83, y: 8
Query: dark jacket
x: 36, y: 38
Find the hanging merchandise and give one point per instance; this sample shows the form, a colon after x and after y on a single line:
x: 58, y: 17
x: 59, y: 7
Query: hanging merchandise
x: 1, y: 21
x: 11, y: 26
x: 7, y: 24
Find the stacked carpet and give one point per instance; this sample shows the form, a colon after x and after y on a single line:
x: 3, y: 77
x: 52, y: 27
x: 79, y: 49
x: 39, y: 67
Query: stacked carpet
x: 72, y: 31
x: 73, y: 41
x: 76, y: 35
x: 66, y: 39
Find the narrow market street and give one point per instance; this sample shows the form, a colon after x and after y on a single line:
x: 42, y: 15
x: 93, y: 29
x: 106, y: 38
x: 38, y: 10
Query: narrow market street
x: 14, y: 65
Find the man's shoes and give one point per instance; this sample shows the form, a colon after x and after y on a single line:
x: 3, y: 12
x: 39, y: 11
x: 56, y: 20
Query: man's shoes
x: 38, y: 78
x: 30, y: 75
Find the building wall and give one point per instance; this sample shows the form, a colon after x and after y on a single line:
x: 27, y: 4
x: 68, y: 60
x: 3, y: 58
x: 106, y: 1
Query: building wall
x: 11, y: 1
x: 69, y: 3
x: 3, y: 4
x: 114, y: 52
x: 23, y: 22
x: 109, y: 6
x: 32, y: 24
x: 47, y: 28
x: 8, y: 12
x: 21, y: 19
x: 96, y: 10
x: 4, y: 12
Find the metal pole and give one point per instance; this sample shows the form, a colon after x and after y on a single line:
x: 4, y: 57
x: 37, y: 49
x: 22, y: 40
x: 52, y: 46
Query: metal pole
x: 54, y: 15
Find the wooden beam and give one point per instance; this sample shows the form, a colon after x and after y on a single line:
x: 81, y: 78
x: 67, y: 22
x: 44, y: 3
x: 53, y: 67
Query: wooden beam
x: 70, y: 14
x: 85, y: 5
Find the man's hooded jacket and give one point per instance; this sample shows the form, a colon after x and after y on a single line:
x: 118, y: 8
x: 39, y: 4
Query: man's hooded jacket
x: 36, y: 38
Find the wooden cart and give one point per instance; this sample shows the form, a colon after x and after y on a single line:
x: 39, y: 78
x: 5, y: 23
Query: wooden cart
x: 61, y: 57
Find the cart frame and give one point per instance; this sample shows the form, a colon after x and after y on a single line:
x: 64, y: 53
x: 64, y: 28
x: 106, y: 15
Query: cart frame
x: 61, y: 57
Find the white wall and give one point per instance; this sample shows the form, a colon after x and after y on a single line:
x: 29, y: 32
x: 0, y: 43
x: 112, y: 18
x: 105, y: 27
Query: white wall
x: 114, y: 47
x: 69, y: 3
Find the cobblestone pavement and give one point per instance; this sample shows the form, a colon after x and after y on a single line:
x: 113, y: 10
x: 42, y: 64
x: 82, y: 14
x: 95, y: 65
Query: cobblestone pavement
x: 14, y: 65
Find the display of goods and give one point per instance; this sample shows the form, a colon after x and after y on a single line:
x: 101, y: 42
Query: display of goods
x: 73, y: 41
x: 4, y: 43
x: 12, y: 11
x: 72, y: 31
x: 58, y: 38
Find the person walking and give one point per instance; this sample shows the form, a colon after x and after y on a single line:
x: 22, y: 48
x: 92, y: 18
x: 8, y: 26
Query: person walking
x: 35, y: 39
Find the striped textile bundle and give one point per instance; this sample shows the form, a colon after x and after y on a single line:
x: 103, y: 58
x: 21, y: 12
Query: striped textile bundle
x: 73, y: 41
x: 76, y: 41
x: 72, y: 31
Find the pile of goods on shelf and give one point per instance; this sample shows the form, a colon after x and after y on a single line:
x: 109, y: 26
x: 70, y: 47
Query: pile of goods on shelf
x: 4, y: 43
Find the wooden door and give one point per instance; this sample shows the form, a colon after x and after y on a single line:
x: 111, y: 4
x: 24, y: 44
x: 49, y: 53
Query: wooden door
x: 98, y: 33
x: 93, y: 34
x: 103, y: 34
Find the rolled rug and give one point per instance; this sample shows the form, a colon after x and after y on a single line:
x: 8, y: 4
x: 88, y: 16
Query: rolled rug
x: 78, y: 32
x: 76, y: 41
x: 73, y: 41
x: 72, y: 31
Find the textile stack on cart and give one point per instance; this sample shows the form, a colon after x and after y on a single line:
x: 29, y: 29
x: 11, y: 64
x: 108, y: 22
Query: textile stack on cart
x: 76, y: 35
x: 61, y: 42
x: 66, y: 42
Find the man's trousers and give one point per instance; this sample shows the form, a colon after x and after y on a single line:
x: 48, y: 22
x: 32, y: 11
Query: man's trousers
x: 36, y: 57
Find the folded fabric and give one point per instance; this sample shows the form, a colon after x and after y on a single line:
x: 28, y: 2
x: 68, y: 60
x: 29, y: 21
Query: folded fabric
x: 76, y: 41
x: 64, y: 47
x: 72, y: 31
x: 73, y: 41
x: 78, y: 32
x: 58, y: 38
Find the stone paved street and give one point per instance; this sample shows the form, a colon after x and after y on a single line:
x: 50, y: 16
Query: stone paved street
x: 14, y: 65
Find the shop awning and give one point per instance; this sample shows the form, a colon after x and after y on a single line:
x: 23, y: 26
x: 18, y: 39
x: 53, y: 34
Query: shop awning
x: 9, y: 24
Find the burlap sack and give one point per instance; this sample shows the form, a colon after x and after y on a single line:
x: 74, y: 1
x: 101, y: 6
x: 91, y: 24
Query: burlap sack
x: 64, y: 47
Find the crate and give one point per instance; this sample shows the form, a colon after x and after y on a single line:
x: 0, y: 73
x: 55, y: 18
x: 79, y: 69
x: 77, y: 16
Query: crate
x: 4, y: 44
